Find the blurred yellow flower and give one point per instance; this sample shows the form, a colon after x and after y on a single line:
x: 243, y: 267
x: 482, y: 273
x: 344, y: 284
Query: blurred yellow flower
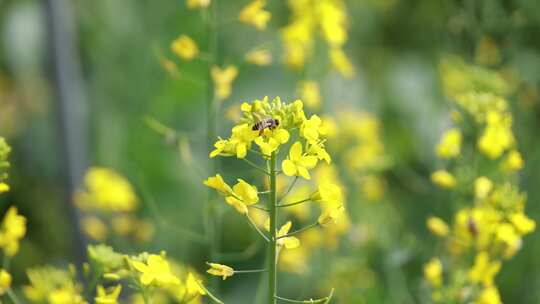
x: 12, y: 231
x: 443, y: 179
x: 497, y: 136
x: 4, y: 187
x: 341, y: 62
x: 513, y: 161
x: 482, y: 187
x: 107, y: 297
x: 330, y: 216
x: 329, y: 193
x: 298, y: 164
x: 5, y: 281
x: 450, y: 145
x: 309, y: 92
x: 433, y: 272
x: 260, y: 57
x: 289, y: 242
x: 106, y: 190
x: 373, y: 187
x: 184, y: 47
x: 254, y: 14
x: 219, y: 184
x: 193, y: 286
x: 220, y: 270
x: 94, y: 228
x: 484, y: 270
x: 522, y: 223
x: 197, y: 3
x: 437, y: 226
x: 489, y: 295
x: 156, y: 270
x: 223, y: 79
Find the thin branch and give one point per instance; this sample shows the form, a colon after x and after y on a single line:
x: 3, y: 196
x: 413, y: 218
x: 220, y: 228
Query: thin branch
x: 324, y: 300
x: 290, y: 188
x: 299, y: 230
x: 255, y: 166
x: 250, y: 271
x: 257, y: 228
x: 209, y: 294
x: 295, y: 203
x: 259, y: 207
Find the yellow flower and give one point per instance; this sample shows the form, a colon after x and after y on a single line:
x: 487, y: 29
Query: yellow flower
x: 332, y: 19
x: 110, y: 297
x: 497, y: 136
x: 312, y: 128
x: 437, y: 226
x: 197, y: 3
x: 272, y: 140
x: 219, y: 184
x: 310, y: 94
x: 220, y: 270
x: 433, y: 272
x: 450, y: 145
x: 289, y: 242
x: 12, y: 231
x: 330, y: 216
x: 319, y: 151
x: 329, y: 193
x: 484, y: 270
x: 443, y: 179
x: 4, y: 187
x: 184, y: 47
x: 156, y: 270
x: 193, y: 285
x: 94, y: 228
x: 489, y: 295
x: 482, y: 187
x: 223, y: 79
x: 106, y: 190
x: 223, y: 147
x: 244, y: 195
x: 513, y: 161
x: 507, y: 234
x: 242, y: 136
x: 298, y: 164
x: 260, y: 57
x: 341, y: 63
x: 254, y: 14
x: 5, y: 281
x: 522, y: 223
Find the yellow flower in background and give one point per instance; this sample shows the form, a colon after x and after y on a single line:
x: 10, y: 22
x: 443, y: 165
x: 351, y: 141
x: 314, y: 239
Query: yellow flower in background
x: 484, y: 270
x: 244, y: 195
x: 156, y: 271
x: 489, y: 295
x: 4, y: 187
x: 5, y: 149
x: 331, y: 216
x: 513, y: 161
x: 373, y: 187
x: 53, y: 286
x: 482, y: 187
x: 107, y: 297
x: 106, y: 190
x: 497, y: 136
x: 254, y: 14
x: 333, y: 19
x: 12, y: 231
x: 507, y: 234
x: 309, y: 92
x: 487, y: 52
x: 223, y: 79
x: 184, y: 47
x: 450, y: 145
x: 329, y: 193
x: 5, y: 281
x: 433, y: 272
x: 522, y: 223
x: 94, y: 228
x: 260, y: 57
x: 219, y: 184
x: 443, y: 179
x: 341, y: 62
x: 437, y: 226
x: 220, y: 270
x: 197, y: 3
x: 193, y: 286
x: 298, y: 164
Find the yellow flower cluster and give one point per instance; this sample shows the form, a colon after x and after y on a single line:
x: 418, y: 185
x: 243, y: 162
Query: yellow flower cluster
x: 255, y: 15
x: 53, y: 285
x: 12, y: 231
x: 492, y: 228
x: 4, y: 164
x: 309, y: 17
x: 109, y: 202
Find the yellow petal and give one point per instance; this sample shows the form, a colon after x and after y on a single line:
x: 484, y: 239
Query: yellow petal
x: 288, y: 167
x: 296, y: 152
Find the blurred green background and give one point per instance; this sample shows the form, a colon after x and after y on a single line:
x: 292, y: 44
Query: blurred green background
x: 396, y: 47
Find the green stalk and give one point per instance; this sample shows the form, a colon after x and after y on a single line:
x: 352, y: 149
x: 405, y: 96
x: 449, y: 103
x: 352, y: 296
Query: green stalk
x: 272, y: 288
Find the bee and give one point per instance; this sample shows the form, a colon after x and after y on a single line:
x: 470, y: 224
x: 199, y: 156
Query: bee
x: 473, y: 228
x: 266, y: 123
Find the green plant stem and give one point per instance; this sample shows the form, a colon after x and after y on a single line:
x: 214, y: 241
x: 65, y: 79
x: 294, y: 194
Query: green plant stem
x: 13, y: 296
x: 272, y: 288
x: 299, y: 230
x: 209, y: 294
x: 295, y: 203
x: 255, y: 166
x: 257, y: 228
x: 249, y: 271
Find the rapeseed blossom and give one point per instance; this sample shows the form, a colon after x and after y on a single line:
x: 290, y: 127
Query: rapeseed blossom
x: 155, y: 270
x: 254, y: 14
x: 105, y: 296
x: 12, y: 230
x: 193, y: 4
x: 5, y: 281
x: 443, y: 179
x: 223, y: 79
x: 259, y: 57
x: 184, y: 47
x: 220, y: 270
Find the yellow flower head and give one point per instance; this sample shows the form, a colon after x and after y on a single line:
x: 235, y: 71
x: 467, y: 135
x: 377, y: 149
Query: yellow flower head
x: 298, y: 163
x: 106, y: 190
x: 219, y: 184
x: 223, y: 79
x: 5, y: 281
x: 330, y: 216
x: 329, y: 193
x: 443, y: 179
x: 309, y: 92
x: 272, y: 140
x: 484, y: 270
x: 155, y: 270
x: 260, y: 57
x: 107, y: 296
x: 497, y: 136
x: 254, y: 14
x: 341, y: 63
x: 313, y: 128
x: 450, y: 145
x: 489, y: 295
x: 184, y: 47
x: 513, y: 161
x: 12, y: 231
x: 244, y: 195
x: 193, y: 4
x: 220, y: 270
x: 433, y: 272
x: 289, y: 242
x: 522, y: 223
x: 482, y: 187
x: 437, y: 226
x: 193, y: 286
x: 94, y: 228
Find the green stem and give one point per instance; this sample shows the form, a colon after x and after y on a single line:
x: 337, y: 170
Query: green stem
x: 290, y: 188
x: 257, y: 228
x: 255, y: 166
x: 272, y: 288
x: 209, y: 294
x: 13, y: 296
x: 295, y: 203
x: 249, y: 271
